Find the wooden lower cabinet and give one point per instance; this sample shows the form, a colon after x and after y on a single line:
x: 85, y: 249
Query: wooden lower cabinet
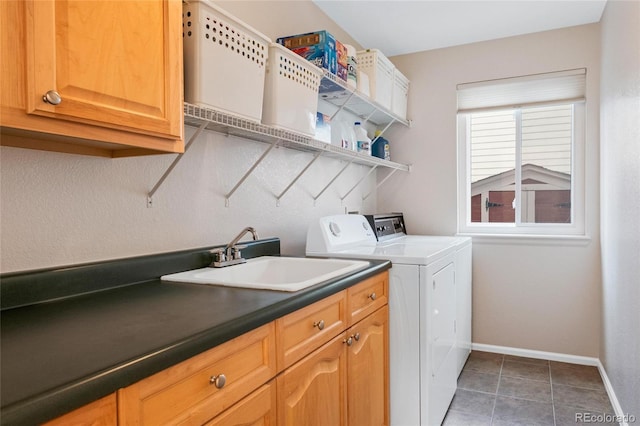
x: 332, y: 374
x: 345, y: 381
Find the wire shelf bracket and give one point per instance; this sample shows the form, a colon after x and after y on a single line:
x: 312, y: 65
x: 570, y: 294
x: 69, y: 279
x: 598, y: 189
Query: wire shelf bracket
x: 359, y: 182
x: 313, y: 160
x: 173, y: 165
x: 331, y: 181
x: 379, y: 184
x: 248, y: 172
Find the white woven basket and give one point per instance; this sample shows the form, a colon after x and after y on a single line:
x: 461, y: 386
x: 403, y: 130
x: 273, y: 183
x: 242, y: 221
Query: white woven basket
x: 400, y: 94
x: 291, y: 91
x: 224, y: 61
x: 380, y: 72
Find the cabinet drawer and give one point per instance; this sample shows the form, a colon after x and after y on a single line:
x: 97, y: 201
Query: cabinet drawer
x: 368, y: 296
x: 98, y: 413
x: 184, y: 393
x: 308, y: 328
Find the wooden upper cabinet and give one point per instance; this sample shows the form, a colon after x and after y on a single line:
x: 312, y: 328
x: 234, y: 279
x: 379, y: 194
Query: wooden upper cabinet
x: 115, y: 65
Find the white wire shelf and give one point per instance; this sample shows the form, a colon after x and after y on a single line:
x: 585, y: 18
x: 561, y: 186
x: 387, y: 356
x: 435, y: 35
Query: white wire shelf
x: 229, y: 124
x: 336, y: 92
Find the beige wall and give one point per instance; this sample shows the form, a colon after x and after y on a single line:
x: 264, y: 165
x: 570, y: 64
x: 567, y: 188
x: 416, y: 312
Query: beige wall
x: 527, y: 294
x: 620, y: 202
x: 61, y: 209
x: 282, y: 18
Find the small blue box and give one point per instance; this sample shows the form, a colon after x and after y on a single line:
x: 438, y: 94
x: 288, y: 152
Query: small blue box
x: 323, y: 128
x: 318, y: 47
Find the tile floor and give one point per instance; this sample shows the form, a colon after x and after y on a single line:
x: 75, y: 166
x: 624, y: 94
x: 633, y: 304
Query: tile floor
x: 505, y: 390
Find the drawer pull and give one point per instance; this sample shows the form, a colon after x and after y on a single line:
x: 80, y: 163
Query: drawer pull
x: 373, y: 296
x: 348, y: 341
x: 52, y: 97
x: 356, y: 337
x: 219, y: 381
x: 319, y: 324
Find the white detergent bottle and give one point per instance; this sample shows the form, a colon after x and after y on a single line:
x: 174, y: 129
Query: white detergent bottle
x: 363, y: 141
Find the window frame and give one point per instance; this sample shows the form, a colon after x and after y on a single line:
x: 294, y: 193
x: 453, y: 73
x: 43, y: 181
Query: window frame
x: 574, y: 229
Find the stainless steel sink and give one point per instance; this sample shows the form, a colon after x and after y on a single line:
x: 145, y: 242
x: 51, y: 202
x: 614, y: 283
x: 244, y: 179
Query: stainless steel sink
x: 271, y: 273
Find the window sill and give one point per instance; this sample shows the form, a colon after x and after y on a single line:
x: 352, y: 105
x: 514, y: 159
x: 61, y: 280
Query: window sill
x: 527, y: 239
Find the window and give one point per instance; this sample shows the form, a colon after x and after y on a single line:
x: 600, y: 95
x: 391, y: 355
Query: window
x: 521, y: 144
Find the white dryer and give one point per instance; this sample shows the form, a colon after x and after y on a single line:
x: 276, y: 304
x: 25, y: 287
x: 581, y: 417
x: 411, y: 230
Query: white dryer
x: 429, y: 306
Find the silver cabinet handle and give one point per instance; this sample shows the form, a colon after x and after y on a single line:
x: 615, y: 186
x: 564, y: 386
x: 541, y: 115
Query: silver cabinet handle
x: 348, y: 341
x: 219, y: 381
x: 356, y: 337
x: 52, y: 97
x: 319, y: 324
x: 373, y: 296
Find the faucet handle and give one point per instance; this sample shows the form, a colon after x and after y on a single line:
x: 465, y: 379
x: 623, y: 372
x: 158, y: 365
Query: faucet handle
x: 235, y: 252
x: 219, y: 254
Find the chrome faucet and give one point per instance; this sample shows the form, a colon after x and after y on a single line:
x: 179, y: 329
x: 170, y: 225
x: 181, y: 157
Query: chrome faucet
x: 230, y: 255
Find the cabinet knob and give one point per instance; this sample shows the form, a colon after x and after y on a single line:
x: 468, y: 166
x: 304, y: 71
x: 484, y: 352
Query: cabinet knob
x: 319, y: 324
x: 348, y: 341
x: 52, y: 97
x: 373, y: 296
x: 356, y: 337
x: 219, y: 381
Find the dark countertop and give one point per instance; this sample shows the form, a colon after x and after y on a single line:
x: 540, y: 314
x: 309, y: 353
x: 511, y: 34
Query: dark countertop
x: 60, y: 354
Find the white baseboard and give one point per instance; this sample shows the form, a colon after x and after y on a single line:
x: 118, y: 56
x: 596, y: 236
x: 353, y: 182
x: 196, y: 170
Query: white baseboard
x: 529, y: 353
x: 617, y: 408
x: 554, y: 356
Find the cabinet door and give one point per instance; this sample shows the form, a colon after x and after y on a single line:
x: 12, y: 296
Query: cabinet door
x: 115, y: 64
x: 368, y: 366
x: 313, y: 391
x: 257, y: 409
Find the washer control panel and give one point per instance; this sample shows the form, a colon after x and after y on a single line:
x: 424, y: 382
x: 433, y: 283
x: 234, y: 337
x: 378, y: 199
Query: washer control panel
x: 387, y: 225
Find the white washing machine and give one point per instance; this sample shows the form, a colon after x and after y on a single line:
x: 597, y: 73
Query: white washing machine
x: 429, y: 306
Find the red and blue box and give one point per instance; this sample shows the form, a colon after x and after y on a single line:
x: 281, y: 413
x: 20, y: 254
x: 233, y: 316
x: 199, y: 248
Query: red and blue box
x: 318, y: 47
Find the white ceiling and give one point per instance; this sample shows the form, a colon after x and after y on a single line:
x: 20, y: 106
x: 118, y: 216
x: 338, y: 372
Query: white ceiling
x: 399, y: 26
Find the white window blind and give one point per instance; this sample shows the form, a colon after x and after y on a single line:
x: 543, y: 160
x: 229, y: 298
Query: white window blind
x: 556, y: 87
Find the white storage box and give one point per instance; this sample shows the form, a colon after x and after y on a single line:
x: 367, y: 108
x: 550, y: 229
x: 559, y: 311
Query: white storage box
x: 380, y: 72
x: 224, y: 61
x: 400, y: 94
x: 291, y: 91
